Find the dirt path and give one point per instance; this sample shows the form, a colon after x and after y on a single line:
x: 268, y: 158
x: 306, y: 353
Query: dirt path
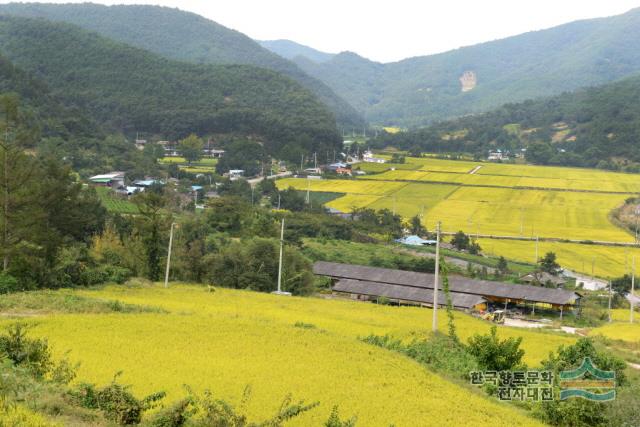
x: 474, y: 170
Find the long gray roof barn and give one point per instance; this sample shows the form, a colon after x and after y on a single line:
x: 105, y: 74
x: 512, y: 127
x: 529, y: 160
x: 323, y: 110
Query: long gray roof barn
x: 457, y: 284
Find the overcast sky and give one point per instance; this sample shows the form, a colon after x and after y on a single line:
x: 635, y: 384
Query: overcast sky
x: 393, y: 29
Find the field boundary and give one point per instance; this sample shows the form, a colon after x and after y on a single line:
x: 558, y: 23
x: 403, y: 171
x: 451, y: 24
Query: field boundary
x: 548, y: 239
x: 515, y: 187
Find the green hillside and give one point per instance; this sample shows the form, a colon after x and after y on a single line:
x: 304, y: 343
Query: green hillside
x: 47, y: 114
x: 183, y: 36
x: 595, y: 127
x: 421, y: 90
x: 129, y: 89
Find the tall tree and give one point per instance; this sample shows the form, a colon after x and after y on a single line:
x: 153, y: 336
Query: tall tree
x: 191, y: 148
x: 17, y: 180
x: 153, y: 226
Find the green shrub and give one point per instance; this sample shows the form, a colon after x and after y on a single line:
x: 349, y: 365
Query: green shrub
x: 175, y: 415
x: 495, y: 355
x: 335, y: 421
x: 31, y: 354
x: 115, y: 401
x: 8, y: 283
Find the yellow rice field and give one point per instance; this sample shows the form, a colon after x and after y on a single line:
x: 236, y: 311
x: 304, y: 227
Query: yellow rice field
x: 502, y: 200
x: 226, y: 339
x: 607, y: 261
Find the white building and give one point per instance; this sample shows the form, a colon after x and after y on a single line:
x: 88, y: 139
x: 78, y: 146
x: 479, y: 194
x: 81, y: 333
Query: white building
x: 367, y: 156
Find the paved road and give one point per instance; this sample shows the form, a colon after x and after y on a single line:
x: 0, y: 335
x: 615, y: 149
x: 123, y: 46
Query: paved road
x: 455, y: 261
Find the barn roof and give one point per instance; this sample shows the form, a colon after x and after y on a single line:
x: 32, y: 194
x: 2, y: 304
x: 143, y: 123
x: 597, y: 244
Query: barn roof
x: 406, y: 293
x: 457, y: 284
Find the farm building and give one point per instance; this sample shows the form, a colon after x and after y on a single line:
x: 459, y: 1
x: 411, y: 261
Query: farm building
x: 409, y: 287
x: 542, y: 278
x: 368, y: 157
x: 111, y: 179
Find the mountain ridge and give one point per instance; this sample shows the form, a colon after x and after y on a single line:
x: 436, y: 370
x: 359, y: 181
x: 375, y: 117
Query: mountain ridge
x: 129, y: 89
x: 182, y: 36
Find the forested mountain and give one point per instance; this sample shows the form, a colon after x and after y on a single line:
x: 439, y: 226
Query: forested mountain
x: 183, y: 36
x: 421, y: 90
x: 595, y: 127
x: 128, y: 89
x: 46, y: 113
x: 289, y: 49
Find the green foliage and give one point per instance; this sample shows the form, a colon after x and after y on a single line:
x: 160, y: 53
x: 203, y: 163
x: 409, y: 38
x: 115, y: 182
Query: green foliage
x: 126, y: 89
x: 527, y: 66
x: 8, y: 283
x: 216, y: 412
x: 463, y: 242
x: 176, y: 415
x: 30, y: 353
x: 335, y: 421
x: 581, y: 412
x: 548, y: 264
x: 439, y: 352
x: 191, y: 148
x: 253, y: 264
x: 185, y: 37
x: 115, y: 401
x: 241, y: 154
x: 493, y: 354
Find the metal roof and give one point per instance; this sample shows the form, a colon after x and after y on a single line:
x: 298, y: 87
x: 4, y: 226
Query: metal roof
x: 457, y: 284
x: 406, y: 293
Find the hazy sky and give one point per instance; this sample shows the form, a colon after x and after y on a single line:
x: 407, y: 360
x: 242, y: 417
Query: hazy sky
x: 391, y: 30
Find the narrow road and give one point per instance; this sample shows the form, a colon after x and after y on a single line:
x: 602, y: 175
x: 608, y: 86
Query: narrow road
x: 451, y: 260
x: 474, y: 170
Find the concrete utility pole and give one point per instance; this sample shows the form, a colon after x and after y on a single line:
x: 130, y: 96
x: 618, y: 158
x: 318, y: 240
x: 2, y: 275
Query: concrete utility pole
x: 610, y: 295
x: 166, y: 273
x: 434, y: 323
x: 308, y: 198
x: 280, y: 291
x: 280, y: 263
x: 633, y: 287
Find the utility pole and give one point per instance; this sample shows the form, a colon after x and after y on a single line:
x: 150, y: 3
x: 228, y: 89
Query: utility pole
x: 280, y: 291
x: 280, y: 262
x: 610, y: 295
x: 434, y: 323
x: 301, y: 163
x: 278, y: 200
x: 537, y: 257
x: 315, y: 161
x: 166, y: 273
x: 394, y: 204
x: 308, y: 199
x: 633, y: 287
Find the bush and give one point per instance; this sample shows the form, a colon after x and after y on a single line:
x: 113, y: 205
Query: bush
x: 115, y: 401
x: 175, y: 415
x: 495, y: 355
x: 8, y: 283
x: 31, y: 354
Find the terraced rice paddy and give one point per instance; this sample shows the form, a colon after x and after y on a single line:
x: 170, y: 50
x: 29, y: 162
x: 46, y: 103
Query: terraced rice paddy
x: 501, y: 200
x: 226, y: 339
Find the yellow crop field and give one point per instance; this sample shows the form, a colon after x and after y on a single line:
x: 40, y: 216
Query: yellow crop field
x: 415, y: 199
x: 503, y: 211
x: 341, y: 186
x: 607, y: 261
x: 605, y: 183
x: 353, y: 201
x: 629, y: 332
x: 381, y: 167
x: 226, y: 339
